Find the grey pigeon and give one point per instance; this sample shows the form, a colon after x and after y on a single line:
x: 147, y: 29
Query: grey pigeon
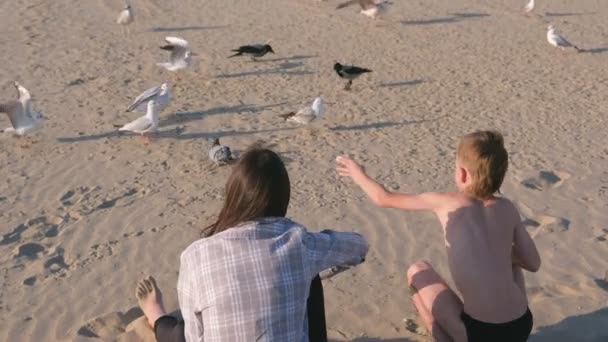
x: 220, y: 154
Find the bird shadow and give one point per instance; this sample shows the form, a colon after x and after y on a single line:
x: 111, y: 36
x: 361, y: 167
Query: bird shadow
x: 378, y: 125
x: 584, y: 328
x: 595, y: 50
x: 279, y: 59
x: 401, y: 84
x: 186, y: 28
x: 273, y: 71
x: 217, y: 134
x: 89, y: 137
x: 454, y: 18
x: 183, y: 117
x: 566, y: 14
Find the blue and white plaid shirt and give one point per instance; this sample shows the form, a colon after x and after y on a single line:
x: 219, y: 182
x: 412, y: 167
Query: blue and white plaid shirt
x: 251, y: 282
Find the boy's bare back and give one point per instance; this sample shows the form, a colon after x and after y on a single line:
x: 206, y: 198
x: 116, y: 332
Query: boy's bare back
x: 479, y: 238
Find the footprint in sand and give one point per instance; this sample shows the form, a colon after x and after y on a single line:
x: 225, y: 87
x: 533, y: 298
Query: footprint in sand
x: 545, y: 180
x: 602, y: 235
x: 542, y: 224
x: 602, y: 283
x: 40, y: 227
x: 109, y: 326
x: 413, y: 327
x: 29, y: 251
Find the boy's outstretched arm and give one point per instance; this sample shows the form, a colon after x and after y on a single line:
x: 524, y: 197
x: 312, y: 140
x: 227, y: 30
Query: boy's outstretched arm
x: 380, y: 196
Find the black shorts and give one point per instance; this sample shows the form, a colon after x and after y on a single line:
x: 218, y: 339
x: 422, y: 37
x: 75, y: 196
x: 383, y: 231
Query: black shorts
x: 515, y: 331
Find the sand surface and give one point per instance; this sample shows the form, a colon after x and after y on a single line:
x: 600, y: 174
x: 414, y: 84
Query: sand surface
x: 85, y: 213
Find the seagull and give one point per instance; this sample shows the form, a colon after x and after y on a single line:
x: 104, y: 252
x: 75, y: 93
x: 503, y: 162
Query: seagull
x: 125, y: 18
x: 349, y: 72
x: 370, y: 8
x: 159, y: 94
x: 557, y: 40
x: 253, y: 51
x: 220, y: 154
x: 145, y: 124
x: 181, y: 55
x: 307, y: 115
x: 19, y: 112
x: 529, y: 6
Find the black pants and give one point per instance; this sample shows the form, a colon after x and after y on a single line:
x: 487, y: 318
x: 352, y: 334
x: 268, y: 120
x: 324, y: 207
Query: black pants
x: 169, y: 329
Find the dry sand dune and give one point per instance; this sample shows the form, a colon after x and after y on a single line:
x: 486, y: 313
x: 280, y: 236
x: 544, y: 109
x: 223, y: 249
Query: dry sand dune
x: 85, y: 213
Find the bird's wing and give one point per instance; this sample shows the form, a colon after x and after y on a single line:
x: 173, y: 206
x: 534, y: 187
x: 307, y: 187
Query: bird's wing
x: 24, y: 97
x: 561, y: 41
x: 318, y: 108
x: 251, y: 48
x: 138, y: 125
x: 355, y: 69
x: 144, y: 97
x: 178, y: 54
x: 348, y: 3
x: 14, y: 110
x: 177, y: 42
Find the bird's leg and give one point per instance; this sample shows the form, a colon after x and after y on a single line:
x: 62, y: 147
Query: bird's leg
x: 348, y: 84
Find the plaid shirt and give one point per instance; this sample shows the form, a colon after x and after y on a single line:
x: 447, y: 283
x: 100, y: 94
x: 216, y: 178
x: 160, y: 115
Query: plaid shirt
x: 251, y: 282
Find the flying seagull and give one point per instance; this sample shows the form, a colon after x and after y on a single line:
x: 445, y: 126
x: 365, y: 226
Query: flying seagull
x: 253, y: 51
x: 145, y: 124
x: 159, y: 94
x: 370, y: 8
x: 19, y: 112
x: 559, y: 41
x: 125, y: 18
x: 529, y: 6
x: 307, y: 115
x: 181, y: 55
x: 220, y: 154
x: 349, y: 72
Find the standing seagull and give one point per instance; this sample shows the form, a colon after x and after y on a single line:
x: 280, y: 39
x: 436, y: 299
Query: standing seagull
x: 307, y: 115
x: 19, y: 112
x: 370, y: 8
x: 125, y: 18
x: 159, y: 94
x: 349, y: 72
x: 220, y: 154
x: 559, y: 41
x: 181, y: 55
x: 145, y: 124
x: 253, y: 51
x: 529, y: 6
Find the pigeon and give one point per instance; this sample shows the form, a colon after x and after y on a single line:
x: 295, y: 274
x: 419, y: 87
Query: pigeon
x: 307, y: 115
x: 220, y: 154
x: 253, y: 51
x: 558, y: 41
x: 181, y: 55
x: 145, y: 124
x: 160, y: 94
x: 529, y: 6
x: 349, y: 72
x: 19, y: 112
x: 370, y: 8
x: 125, y: 17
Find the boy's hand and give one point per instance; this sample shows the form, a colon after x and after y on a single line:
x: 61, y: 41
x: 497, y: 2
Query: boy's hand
x: 349, y: 168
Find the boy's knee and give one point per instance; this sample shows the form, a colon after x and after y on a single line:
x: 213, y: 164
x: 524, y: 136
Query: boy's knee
x: 415, y: 268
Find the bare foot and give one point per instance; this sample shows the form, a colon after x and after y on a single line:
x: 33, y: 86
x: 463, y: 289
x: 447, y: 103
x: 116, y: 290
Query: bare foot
x: 150, y: 299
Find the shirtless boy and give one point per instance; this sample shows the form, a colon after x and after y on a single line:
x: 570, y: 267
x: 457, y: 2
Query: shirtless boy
x: 487, y: 246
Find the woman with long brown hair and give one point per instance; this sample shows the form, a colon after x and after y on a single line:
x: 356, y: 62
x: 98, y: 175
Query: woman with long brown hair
x: 255, y: 277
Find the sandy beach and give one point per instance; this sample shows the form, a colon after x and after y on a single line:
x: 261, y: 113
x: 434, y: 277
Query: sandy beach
x: 85, y: 212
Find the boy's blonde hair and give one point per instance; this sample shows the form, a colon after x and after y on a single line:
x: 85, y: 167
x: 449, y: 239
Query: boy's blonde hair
x: 484, y: 155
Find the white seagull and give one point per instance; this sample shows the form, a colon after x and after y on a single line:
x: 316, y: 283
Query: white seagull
x: 307, y: 115
x: 220, y: 154
x: 181, y: 55
x: 559, y: 41
x: 370, y: 8
x: 160, y: 94
x: 19, y: 112
x: 145, y: 124
x: 529, y: 6
x: 125, y: 17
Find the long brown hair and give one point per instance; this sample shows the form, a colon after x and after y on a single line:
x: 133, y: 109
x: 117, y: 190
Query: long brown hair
x: 258, y: 187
